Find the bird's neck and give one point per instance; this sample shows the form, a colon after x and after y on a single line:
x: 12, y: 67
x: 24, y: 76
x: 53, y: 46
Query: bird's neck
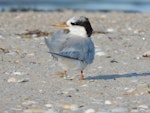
x: 78, y: 30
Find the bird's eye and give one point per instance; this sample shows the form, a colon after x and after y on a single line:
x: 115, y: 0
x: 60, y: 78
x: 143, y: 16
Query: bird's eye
x: 73, y: 23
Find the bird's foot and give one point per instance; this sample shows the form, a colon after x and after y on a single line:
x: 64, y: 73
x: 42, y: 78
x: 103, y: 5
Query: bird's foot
x: 66, y: 76
x: 82, y: 76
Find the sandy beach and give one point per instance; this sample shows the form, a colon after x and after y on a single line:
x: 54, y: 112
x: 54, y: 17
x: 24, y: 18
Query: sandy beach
x: 117, y: 82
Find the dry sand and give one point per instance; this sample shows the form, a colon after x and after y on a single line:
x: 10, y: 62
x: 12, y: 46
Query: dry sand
x: 117, y: 81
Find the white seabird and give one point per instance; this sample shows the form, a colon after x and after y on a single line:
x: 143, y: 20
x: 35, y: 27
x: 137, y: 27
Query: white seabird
x: 73, y: 47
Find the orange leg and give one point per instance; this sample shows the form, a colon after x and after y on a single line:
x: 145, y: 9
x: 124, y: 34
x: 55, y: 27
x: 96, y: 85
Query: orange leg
x: 65, y: 72
x: 82, y: 76
x: 65, y: 75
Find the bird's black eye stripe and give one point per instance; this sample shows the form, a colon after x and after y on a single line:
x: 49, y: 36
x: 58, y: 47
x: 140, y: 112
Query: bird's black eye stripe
x: 73, y: 23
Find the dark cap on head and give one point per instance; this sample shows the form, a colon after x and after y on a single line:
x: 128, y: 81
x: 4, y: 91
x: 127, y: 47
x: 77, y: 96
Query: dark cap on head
x: 83, y: 21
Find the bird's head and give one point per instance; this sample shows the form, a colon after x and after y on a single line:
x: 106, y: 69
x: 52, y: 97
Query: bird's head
x: 78, y: 25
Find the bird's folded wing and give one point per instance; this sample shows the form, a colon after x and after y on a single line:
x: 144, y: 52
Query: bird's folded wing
x: 69, y: 54
x: 72, y: 47
x: 55, y: 44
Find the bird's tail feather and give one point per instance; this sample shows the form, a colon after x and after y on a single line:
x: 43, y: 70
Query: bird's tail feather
x: 47, y: 42
x: 48, y: 45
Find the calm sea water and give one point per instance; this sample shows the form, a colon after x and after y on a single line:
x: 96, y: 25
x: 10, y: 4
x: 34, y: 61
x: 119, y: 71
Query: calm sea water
x: 90, y: 5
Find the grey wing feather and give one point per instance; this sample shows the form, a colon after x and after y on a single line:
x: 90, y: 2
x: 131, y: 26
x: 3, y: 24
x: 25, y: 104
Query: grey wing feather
x: 67, y: 55
x: 79, y: 48
x: 47, y: 43
x: 55, y: 44
x: 91, y: 52
x: 72, y: 47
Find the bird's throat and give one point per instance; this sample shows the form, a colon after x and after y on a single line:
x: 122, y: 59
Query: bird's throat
x: 78, y: 30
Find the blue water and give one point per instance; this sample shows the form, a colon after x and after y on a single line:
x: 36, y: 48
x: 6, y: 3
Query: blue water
x: 89, y: 5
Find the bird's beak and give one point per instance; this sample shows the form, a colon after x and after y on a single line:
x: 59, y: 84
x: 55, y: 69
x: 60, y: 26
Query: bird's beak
x: 61, y: 25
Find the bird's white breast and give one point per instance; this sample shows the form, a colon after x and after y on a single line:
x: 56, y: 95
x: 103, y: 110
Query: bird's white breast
x: 78, y: 30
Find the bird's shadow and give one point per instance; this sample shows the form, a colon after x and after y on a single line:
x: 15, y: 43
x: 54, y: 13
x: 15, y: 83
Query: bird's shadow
x: 114, y: 76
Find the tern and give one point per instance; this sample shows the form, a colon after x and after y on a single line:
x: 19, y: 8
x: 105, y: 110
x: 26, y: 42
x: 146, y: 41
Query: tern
x: 72, y: 47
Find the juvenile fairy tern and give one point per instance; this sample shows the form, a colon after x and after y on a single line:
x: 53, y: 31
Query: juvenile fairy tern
x: 72, y: 47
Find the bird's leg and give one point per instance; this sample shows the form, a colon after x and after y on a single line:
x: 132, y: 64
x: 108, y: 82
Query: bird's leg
x: 82, y: 75
x: 65, y: 75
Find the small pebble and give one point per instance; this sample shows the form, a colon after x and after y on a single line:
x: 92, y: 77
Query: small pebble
x: 143, y: 88
x: 17, y: 61
x: 143, y: 106
x: 114, y: 61
x: 12, y: 80
x: 137, y: 58
x: 134, y: 111
x: 17, y: 73
x: 29, y: 102
x: 100, y: 67
x: 40, y: 91
x: 100, y: 53
x: 50, y: 111
x: 143, y: 38
x: 110, y: 30
x: 18, y: 51
x: 129, y: 28
x: 131, y: 90
x: 119, y: 98
x: 90, y: 111
x: 34, y: 35
x: 108, y: 102
x: 134, y: 81
x: 120, y: 110
x: 33, y: 111
x: 48, y: 105
x: 5, y: 50
x: 84, y: 85
x: 15, y: 109
x: 23, y: 80
x: 72, y: 107
x: 31, y: 55
x: 103, y: 16
x: 66, y: 106
x: 1, y: 37
x: 126, y: 88
x: 136, y: 32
